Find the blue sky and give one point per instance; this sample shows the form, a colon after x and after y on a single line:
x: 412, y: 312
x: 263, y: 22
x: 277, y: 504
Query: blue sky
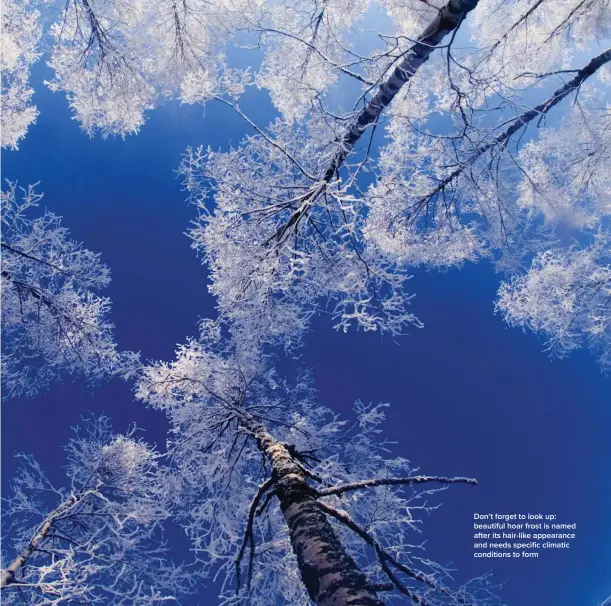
x: 469, y: 395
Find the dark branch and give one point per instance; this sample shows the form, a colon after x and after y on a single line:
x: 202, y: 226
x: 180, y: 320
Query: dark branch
x: 326, y: 492
x: 248, y: 533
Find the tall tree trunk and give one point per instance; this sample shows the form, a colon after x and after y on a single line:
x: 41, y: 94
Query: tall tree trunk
x: 329, y: 573
x: 448, y: 18
x: 8, y: 574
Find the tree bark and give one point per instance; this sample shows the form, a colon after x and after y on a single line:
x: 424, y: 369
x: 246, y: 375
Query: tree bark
x: 330, y: 574
x: 8, y: 574
x: 447, y: 20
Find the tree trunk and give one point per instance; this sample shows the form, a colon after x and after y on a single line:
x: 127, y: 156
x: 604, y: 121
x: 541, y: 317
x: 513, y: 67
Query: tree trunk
x: 8, y: 574
x: 329, y: 573
x: 447, y: 20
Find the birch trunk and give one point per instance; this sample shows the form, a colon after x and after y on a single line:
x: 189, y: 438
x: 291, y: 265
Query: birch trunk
x: 329, y: 573
x: 8, y: 575
x: 447, y: 20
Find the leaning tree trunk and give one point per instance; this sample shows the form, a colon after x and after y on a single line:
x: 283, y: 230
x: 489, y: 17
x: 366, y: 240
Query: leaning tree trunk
x: 330, y: 574
x: 8, y: 575
x: 448, y: 18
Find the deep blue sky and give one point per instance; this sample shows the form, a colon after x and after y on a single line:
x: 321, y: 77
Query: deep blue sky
x: 469, y: 395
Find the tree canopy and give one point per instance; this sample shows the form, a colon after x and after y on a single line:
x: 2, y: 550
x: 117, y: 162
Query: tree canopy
x: 419, y: 134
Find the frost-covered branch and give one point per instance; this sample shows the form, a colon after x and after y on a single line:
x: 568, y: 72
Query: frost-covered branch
x: 566, y: 296
x: 100, y: 542
x: 473, y: 198
x: 21, y: 32
x: 118, y: 60
x: 53, y: 320
x: 500, y: 140
x: 335, y: 490
x: 248, y: 533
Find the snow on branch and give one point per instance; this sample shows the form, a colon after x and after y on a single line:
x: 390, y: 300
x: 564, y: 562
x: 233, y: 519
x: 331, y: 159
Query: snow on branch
x: 565, y: 295
x: 99, y: 537
x: 336, y: 490
x: 53, y: 321
x: 21, y: 33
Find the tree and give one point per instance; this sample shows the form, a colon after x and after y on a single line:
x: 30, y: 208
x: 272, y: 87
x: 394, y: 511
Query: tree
x: 273, y: 488
x: 53, y: 320
x: 295, y: 221
x: 116, y: 60
x: 565, y: 295
x: 21, y: 33
x: 95, y: 541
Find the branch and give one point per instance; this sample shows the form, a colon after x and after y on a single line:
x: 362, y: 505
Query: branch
x: 8, y: 575
x: 394, y: 482
x: 539, y: 111
x: 248, y: 533
x: 448, y: 18
x: 33, y: 258
x: 386, y: 558
x: 268, y: 139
